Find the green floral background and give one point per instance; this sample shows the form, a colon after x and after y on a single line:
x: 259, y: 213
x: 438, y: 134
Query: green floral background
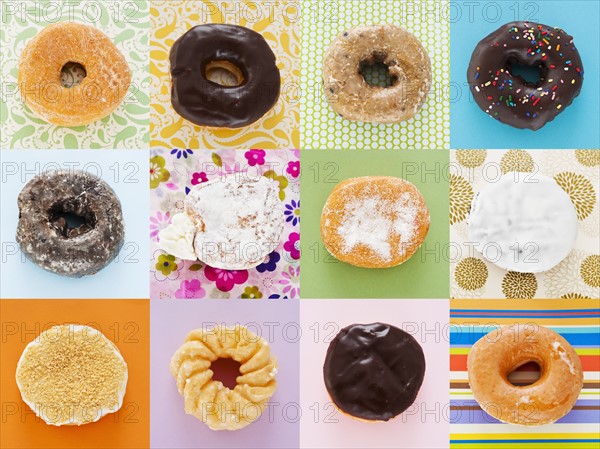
x: 127, y: 24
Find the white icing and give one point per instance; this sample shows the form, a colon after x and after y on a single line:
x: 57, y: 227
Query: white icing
x: 178, y: 238
x: 563, y: 356
x: 524, y: 222
x: 367, y: 221
x: 238, y: 220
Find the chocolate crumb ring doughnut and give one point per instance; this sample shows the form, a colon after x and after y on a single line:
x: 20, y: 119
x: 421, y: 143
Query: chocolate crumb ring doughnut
x: 242, y: 52
x: 107, y: 75
x: 353, y: 98
x: 374, y: 371
x: 46, y: 237
x: 511, y: 99
x: 208, y: 399
x: 493, y: 357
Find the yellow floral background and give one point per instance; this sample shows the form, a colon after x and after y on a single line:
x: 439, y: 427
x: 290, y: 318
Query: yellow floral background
x: 278, y: 22
x: 577, y: 172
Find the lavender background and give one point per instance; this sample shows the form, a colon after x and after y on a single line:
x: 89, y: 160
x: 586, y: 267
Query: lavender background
x: 170, y: 322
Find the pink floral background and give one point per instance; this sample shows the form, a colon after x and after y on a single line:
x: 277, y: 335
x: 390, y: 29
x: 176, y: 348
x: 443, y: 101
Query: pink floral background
x: 172, y: 175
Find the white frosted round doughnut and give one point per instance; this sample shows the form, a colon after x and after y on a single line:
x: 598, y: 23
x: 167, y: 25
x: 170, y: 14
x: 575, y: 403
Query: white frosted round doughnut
x: 238, y: 220
x: 524, y: 222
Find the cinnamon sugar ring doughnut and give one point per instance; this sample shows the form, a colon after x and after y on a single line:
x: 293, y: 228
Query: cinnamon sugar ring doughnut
x: 351, y: 96
x: 72, y: 375
x: 59, y: 46
x: 502, y: 351
x: 374, y: 221
x: 219, y: 407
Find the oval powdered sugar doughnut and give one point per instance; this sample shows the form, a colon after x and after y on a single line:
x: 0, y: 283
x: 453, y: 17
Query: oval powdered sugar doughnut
x: 374, y: 221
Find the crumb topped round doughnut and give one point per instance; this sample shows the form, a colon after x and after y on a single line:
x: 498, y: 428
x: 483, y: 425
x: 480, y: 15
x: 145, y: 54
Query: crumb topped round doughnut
x: 373, y: 371
x: 58, y: 46
x: 72, y: 375
x: 493, y: 357
x: 219, y: 407
x: 346, y: 89
x: 508, y: 97
x: 523, y: 222
x: 374, y: 221
x: 49, y: 201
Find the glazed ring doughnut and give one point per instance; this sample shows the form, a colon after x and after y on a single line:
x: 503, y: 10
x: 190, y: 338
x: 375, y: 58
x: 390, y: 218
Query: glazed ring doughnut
x: 243, y: 53
x: 373, y: 372
x: 500, y: 352
x: 374, y: 221
x: 71, y: 249
x: 99, y: 93
x: 353, y: 98
x: 221, y: 408
x: 511, y: 99
x: 87, y: 387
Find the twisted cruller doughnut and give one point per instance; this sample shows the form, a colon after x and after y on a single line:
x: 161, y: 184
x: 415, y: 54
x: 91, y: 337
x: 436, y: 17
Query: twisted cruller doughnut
x: 209, y: 400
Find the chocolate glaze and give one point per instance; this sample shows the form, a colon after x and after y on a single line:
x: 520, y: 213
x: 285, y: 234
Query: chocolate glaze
x: 373, y: 371
x: 206, y: 103
x: 509, y: 98
x: 44, y: 235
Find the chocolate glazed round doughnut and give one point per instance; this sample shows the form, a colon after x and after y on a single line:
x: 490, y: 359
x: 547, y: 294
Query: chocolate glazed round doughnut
x: 46, y: 237
x: 373, y: 371
x: 239, y: 50
x: 346, y: 89
x: 511, y: 99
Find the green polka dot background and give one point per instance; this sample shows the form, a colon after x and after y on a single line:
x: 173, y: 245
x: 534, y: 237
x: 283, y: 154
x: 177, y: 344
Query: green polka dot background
x: 322, y: 128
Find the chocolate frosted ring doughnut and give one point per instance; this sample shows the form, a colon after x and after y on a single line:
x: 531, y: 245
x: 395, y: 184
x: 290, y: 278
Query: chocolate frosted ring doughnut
x: 242, y: 52
x: 511, y: 99
x: 373, y: 371
x: 105, y: 75
x: 46, y: 204
x: 353, y: 98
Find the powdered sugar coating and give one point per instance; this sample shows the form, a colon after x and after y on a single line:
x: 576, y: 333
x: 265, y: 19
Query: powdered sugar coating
x: 374, y: 221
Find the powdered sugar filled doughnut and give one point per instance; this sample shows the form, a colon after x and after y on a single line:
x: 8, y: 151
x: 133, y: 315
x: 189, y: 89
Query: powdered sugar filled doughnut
x: 374, y: 221
x: 523, y: 222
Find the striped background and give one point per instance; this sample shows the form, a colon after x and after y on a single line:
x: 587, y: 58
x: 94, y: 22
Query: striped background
x: 578, y: 322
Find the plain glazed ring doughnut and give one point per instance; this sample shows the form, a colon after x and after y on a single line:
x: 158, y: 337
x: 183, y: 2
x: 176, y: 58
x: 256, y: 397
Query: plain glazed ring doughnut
x: 99, y: 93
x: 511, y: 99
x: 83, y: 247
x: 221, y: 408
x: 72, y: 375
x: 502, y: 351
x: 238, y: 50
x: 374, y: 221
x: 373, y: 372
x: 353, y: 98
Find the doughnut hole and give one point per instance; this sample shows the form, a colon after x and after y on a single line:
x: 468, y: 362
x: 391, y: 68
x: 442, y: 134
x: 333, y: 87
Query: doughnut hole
x: 72, y: 74
x: 71, y: 218
x: 376, y: 72
x: 525, y: 374
x: 226, y: 371
x: 224, y: 73
x: 530, y: 74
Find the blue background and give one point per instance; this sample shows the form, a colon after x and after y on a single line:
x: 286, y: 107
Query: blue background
x: 126, y: 276
x: 576, y: 127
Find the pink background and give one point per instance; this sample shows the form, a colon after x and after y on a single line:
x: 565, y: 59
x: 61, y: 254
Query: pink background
x: 415, y: 430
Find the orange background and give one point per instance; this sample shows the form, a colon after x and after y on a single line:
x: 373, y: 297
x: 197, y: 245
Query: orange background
x: 126, y: 323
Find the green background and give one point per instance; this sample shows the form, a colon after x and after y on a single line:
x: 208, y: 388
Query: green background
x: 425, y: 275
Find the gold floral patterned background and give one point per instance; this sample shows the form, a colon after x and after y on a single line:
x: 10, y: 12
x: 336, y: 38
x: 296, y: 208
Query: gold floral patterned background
x: 278, y: 22
x: 577, y: 276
